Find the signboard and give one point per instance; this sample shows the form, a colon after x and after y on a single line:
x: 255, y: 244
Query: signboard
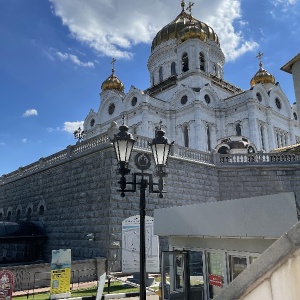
x: 131, y: 245
x: 6, y: 285
x: 60, y: 273
x: 216, y: 280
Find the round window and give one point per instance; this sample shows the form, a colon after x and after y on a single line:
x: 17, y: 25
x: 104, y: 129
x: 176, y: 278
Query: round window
x: 295, y: 116
x: 133, y: 101
x: 111, y: 108
x: 92, y: 122
x: 258, y: 96
x: 278, y: 103
x: 207, y: 99
x: 184, y: 100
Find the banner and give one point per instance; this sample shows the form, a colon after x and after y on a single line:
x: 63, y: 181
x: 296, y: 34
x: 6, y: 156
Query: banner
x: 6, y: 284
x: 60, y: 273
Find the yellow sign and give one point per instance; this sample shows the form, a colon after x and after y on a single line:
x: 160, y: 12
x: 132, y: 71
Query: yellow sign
x: 60, y: 273
x: 60, y: 281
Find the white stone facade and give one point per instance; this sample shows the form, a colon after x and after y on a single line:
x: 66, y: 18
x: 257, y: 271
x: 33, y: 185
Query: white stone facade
x: 195, y: 105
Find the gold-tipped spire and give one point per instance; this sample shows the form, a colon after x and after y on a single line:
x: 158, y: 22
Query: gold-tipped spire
x: 182, y: 5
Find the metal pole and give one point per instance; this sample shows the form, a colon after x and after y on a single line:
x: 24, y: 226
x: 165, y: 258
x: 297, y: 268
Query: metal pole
x: 142, y: 240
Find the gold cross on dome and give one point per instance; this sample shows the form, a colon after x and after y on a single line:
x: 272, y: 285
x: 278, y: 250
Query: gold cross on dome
x: 259, y: 56
x: 189, y: 8
x: 113, y: 64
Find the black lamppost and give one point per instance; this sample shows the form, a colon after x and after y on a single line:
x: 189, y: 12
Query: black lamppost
x: 123, y: 144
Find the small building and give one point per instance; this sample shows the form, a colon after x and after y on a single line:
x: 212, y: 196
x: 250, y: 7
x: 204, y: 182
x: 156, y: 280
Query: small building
x: 211, y: 243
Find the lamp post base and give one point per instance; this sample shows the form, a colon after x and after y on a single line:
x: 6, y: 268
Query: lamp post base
x: 136, y: 279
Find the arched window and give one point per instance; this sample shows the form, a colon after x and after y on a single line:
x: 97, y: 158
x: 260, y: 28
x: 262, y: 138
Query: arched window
x: 18, y: 217
x: 223, y: 150
x: 238, y: 129
x: 207, y: 98
x: 28, y: 214
x: 8, y: 217
x: 295, y: 116
x: 161, y: 74
x: 185, y: 62
x: 173, y: 68
x: 208, y: 138
x: 215, y: 70
x: 155, y: 131
x: 184, y: 99
x: 278, y: 139
x: 41, y: 210
x: 202, y: 61
x: 259, y: 97
x: 186, y: 136
x: 262, y: 137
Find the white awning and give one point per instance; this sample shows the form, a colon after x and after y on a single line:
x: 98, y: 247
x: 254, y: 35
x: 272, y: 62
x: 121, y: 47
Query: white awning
x: 262, y: 217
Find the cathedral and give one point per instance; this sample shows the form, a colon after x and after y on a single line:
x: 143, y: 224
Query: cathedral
x: 225, y: 148
x: 193, y: 102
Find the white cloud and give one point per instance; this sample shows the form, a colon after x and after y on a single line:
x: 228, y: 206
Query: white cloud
x: 285, y: 2
x: 2, y: 144
x: 74, y: 59
x: 113, y: 27
x: 233, y: 43
x: 24, y: 141
x: 72, y: 126
x: 30, y: 112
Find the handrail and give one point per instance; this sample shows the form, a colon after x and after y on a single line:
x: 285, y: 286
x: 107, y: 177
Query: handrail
x: 257, y: 158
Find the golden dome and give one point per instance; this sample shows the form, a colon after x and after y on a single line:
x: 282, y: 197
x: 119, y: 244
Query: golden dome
x: 184, y: 27
x: 112, y: 83
x: 262, y: 76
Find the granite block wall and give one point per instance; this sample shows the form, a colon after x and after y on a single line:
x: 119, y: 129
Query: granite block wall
x: 80, y: 197
x: 248, y: 181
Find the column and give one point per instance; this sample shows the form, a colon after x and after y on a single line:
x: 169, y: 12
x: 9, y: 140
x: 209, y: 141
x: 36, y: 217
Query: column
x: 253, y: 126
x: 271, y: 135
x: 197, y: 127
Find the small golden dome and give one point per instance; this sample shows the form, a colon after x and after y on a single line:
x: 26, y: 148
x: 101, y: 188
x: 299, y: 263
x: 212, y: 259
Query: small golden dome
x: 262, y: 76
x: 112, y: 83
x: 184, y: 27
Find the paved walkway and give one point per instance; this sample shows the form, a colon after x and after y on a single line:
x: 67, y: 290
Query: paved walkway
x: 149, y: 297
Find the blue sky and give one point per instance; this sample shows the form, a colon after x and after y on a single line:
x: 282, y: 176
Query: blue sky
x: 56, y: 53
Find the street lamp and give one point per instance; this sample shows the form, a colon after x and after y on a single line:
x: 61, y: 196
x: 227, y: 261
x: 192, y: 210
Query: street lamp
x: 123, y: 144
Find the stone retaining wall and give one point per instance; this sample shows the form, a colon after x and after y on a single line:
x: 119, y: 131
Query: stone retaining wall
x: 248, y: 181
x: 80, y: 196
